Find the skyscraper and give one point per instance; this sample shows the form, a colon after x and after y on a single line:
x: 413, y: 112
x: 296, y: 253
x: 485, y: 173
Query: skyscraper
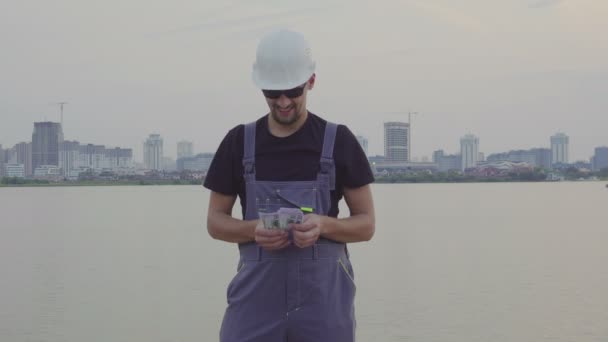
x: 184, y: 149
x: 469, y: 151
x: 69, y: 157
x: 24, y: 156
x: 153, y: 152
x: 1, y: 162
x: 600, y: 158
x: 396, y: 141
x: 46, y: 140
x: 559, y: 149
x: 363, y: 142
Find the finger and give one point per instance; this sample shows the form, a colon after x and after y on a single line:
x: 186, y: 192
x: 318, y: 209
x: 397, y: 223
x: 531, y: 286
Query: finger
x: 269, y: 232
x: 276, y: 245
x: 304, y: 240
x: 305, y: 235
x: 305, y: 243
x: 304, y: 226
x: 270, y: 239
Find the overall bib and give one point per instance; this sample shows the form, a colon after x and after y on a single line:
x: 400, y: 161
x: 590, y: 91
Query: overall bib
x: 294, y: 294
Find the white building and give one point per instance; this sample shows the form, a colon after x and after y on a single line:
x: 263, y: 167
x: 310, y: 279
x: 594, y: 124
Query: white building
x: 469, y: 151
x: 559, y: 149
x: 153, y: 152
x: 184, y: 149
x: 46, y: 171
x: 14, y: 170
x: 397, y: 141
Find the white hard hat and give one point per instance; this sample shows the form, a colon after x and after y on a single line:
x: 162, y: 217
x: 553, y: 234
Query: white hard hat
x: 283, y: 61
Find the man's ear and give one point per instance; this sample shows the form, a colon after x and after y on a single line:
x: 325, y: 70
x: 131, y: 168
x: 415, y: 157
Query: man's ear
x: 311, y: 81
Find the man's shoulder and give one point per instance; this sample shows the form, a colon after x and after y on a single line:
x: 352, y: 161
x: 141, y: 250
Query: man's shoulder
x: 343, y: 133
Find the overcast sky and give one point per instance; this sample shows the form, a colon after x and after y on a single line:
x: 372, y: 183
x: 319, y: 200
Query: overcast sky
x: 511, y: 72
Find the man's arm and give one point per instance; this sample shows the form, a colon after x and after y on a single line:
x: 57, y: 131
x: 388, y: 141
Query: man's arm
x: 360, y: 226
x: 222, y: 226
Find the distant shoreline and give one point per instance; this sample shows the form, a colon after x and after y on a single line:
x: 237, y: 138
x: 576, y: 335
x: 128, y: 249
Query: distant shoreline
x: 379, y: 181
x: 99, y: 183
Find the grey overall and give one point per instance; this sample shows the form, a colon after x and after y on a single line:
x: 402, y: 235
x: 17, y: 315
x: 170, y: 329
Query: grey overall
x: 294, y: 294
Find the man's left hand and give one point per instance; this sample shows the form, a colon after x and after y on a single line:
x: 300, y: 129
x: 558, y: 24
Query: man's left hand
x: 309, y: 231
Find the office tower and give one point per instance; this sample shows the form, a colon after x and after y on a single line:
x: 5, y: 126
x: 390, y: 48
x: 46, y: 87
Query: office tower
x: 153, y: 152
x: 559, y: 149
x: 469, y: 151
x: 23, y: 152
x: 396, y: 141
x: 600, y: 158
x: 118, y: 158
x: 1, y: 162
x: 445, y: 162
x: 69, y: 156
x: 363, y: 142
x: 46, y: 140
x: 184, y: 149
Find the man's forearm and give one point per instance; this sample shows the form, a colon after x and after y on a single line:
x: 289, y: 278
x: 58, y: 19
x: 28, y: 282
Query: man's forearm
x: 351, y: 229
x: 224, y: 227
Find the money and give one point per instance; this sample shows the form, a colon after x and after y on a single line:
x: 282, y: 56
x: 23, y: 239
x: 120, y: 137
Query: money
x: 281, y: 219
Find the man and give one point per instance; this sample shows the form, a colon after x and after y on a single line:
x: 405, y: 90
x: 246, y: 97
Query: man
x: 295, y: 286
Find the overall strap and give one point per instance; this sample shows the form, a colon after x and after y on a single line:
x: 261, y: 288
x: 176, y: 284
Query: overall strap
x: 249, y: 148
x: 327, y: 160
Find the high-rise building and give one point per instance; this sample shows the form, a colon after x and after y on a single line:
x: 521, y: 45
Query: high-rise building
x: 184, y: 149
x: 23, y: 153
x: 469, y: 151
x: 363, y: 142
x: 200, y: 162
x: 1, y: 162
x: 559, y: 149
x: 119, y: 158
x: 396, y: 141
x: 46, y: 140
x: 445, y: 162
x: 153, y: 152
x: 69, y: 156
x: 600, y: 158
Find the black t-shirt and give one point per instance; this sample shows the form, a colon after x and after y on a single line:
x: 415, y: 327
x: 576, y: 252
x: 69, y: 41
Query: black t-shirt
x: 292, y: 158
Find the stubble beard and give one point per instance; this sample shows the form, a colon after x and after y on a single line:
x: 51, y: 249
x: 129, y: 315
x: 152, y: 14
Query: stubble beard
x: 286, y: 121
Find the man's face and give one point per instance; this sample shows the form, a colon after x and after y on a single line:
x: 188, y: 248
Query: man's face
x: 287, y: 110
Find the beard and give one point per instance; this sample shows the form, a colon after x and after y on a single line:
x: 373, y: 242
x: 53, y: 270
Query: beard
x: 286, y: 120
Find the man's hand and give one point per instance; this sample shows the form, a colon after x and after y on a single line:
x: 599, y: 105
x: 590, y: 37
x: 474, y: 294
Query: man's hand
x: 270, y: 239
x: 309, y: 231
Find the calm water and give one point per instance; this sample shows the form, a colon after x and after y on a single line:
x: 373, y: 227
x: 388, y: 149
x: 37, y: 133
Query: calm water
x: 449, y: 262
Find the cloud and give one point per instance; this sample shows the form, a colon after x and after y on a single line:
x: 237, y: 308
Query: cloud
x: 544, y: 3
x: 245, y: 23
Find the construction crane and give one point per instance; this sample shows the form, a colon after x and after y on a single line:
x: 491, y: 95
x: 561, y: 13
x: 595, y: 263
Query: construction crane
x: 61, y: 104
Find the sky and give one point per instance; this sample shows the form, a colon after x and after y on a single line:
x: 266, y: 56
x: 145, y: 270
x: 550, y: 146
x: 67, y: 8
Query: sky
x: 511, y: 72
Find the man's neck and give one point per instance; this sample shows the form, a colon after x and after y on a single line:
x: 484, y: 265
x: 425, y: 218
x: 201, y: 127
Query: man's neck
x: 282, y: 131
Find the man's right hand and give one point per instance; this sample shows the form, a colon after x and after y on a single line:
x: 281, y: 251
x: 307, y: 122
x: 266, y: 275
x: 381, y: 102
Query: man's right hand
x: 271, y: 239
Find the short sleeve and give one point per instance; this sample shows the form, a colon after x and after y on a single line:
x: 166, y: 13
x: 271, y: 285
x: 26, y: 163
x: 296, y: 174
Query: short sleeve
x: 352, y: 166
x: 224, y: 172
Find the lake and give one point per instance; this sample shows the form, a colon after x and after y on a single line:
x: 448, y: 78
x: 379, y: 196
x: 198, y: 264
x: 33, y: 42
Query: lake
x: 449, y: 262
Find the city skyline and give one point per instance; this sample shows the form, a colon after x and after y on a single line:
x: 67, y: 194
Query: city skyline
x: 533, y: 67
x: 187, y: 145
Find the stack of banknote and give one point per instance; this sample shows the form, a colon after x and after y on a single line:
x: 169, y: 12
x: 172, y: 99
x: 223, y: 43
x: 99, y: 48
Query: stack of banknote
x: 281, y: 219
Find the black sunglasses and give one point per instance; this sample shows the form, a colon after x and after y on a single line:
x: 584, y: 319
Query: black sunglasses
x: 290, y: 93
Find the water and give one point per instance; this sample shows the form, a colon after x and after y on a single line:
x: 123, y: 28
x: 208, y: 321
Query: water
x: 449, y: 262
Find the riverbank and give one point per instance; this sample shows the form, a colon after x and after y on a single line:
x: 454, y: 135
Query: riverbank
x: 99, y: 183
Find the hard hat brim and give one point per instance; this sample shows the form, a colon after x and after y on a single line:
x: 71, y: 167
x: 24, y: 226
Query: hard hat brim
x: 266, y: 84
